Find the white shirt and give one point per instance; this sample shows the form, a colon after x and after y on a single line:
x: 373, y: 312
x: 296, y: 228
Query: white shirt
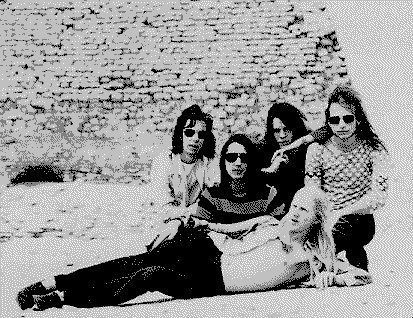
x: 175, y: 181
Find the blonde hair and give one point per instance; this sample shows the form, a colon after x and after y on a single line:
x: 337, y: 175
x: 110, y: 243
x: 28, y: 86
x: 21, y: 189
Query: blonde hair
x: 319, y: 238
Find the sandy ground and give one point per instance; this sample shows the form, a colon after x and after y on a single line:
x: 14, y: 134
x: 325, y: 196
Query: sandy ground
x: 57, y: 228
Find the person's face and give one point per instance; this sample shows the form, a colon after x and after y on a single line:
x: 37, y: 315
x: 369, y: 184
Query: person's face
x: 193, y: 137
x: 301, y: 215
x: 282, y: 134
x: 236, y: 161
x: 341, y: 121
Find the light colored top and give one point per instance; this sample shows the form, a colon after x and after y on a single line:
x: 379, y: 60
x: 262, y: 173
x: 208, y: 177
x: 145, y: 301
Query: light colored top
x: 179, y: 184
x: 261, y: 261
x: 347, y: 176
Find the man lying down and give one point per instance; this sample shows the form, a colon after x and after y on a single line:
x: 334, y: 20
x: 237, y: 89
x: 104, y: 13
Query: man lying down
x: 207, y: 259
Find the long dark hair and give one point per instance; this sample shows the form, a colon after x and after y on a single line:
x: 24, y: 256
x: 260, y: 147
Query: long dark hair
x: 252, y: 163
x: 291, y: 117
x: 348, y: 98
x: 194, y: 114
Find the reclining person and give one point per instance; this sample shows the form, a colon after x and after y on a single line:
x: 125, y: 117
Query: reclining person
x: 298, y: 249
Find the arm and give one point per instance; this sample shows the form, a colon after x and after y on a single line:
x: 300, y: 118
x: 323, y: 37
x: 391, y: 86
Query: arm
x: 177, y: 212
x: 319, y: 135
x: 305, y: 140
x: 160, y: 190
x: 313, y: 166
x: 353, y: 277
x: 346, y: 275
x: 211, y: 216
x: 279, y: 156
x: 212, y: 177
x: 243, y: 226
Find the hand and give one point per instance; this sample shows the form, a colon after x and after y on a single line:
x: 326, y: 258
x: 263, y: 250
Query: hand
x: 278, y: 153
x: 324, y: 279
x: 279, y: 210
x: 201, y: 224
x: 167, y: 232
x: 275, y: 164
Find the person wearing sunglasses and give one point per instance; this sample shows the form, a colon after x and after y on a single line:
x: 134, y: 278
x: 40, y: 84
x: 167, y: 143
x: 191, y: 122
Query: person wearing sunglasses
x: 297, y: 250
x: 352, y: 168
x: 285, y: 124
x: 241, y: 197
x: 241, y: 194
x: 179, y: 176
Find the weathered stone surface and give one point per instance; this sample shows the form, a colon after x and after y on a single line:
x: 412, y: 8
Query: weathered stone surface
x: 232, y: 57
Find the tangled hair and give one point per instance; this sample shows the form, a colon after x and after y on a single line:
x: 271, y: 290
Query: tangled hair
x: 252, y: 164
x: 349, y: 99
x: 319, y: 237
x: 291, y: 117
x: 188, y: 119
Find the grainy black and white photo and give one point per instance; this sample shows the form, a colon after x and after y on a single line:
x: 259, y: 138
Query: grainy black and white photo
x: 205, y: 158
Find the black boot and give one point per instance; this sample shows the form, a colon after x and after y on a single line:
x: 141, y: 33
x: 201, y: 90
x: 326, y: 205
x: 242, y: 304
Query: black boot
x: 50, y: 300
x: 25, y: 296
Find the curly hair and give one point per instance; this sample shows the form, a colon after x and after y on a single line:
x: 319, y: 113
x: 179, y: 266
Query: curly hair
x: 291, y: 117
x: 188, y: 119
x: 349, y: 99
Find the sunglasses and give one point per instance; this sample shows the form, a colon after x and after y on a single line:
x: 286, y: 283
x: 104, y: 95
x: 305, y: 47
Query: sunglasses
x: 233, y: 156
x: 335, y: 120
x: 191, y: 132
x: 284, y: 130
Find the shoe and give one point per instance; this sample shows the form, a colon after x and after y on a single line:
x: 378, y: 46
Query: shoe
x: 25, y: 296
x: 50, y: 300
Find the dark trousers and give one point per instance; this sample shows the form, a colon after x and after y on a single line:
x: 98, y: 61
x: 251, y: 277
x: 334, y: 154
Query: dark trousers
x: 187, y: 266
x: 351, y: 233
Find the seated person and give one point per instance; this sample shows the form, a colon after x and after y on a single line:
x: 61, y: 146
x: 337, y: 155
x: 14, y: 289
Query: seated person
x: 179, y: 176
x: 285, y: 124
x: 299, y: 249
x: 352, y: 168
x: 240, y: 184
x: 319, y: 135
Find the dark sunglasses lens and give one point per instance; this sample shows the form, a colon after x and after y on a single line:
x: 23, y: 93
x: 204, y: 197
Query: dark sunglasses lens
x: 232, y: 157
x: 335, y: 120
x: 243, y: 157
x: 189, y: 132
x: 348, y: 119
x: 202, y: 134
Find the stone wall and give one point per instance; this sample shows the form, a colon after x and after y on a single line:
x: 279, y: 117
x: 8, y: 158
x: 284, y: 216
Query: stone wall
x: 124, y: 69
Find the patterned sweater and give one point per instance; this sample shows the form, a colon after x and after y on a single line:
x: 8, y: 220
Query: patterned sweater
x: 347, y: 176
